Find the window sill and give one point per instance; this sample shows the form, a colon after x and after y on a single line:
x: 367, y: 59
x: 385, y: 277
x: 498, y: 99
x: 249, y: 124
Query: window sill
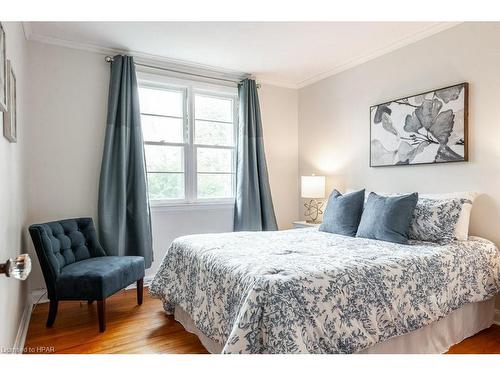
x: 166, y: 207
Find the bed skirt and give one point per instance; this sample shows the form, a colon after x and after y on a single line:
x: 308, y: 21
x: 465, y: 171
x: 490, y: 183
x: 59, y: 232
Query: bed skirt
x: 435, y: 338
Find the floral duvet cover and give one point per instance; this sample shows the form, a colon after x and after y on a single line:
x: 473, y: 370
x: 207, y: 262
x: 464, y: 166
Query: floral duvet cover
x: 306, y: 291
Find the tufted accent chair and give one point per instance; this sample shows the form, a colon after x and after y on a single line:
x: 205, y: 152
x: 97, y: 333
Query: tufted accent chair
x: 76, y: 267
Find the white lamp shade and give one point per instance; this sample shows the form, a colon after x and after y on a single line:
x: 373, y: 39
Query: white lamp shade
x: 312, y: 186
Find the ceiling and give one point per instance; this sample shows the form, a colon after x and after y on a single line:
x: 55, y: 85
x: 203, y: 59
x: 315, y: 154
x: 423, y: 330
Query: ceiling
x: 290, y: 54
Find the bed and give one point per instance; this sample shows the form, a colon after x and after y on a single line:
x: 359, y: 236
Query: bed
x: 307, y: 291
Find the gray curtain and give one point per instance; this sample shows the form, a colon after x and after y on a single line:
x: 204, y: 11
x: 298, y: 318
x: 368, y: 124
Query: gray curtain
x: 254, y: 206
x: 124, y: 216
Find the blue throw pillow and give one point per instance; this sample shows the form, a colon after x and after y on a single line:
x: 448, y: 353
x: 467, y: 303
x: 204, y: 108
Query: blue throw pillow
x: 387, y: 218
x: 343, y: 212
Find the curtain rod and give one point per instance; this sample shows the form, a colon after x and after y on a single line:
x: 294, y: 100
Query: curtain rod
x: 109, y: 59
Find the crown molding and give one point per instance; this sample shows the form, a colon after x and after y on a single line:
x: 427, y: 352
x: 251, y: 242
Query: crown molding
x: 190, y: 67
x: 271, y: 82
x: 27, y: 30
x: 33, y: 37
x: 432, y: 30
x: 140, y: 57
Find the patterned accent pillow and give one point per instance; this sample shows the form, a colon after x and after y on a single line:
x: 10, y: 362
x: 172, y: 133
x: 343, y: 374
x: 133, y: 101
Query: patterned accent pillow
x: 435, y: 220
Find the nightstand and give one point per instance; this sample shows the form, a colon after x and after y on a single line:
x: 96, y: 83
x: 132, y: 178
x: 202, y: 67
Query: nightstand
x: 305, y: 224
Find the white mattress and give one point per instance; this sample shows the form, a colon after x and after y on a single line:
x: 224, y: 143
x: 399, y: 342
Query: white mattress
x: 434, y: 338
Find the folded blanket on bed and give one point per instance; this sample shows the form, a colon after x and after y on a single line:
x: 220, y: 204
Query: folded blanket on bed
x: 306, y: 291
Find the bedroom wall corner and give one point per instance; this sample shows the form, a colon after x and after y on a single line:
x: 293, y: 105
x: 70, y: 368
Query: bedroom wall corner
x: 279, y: 107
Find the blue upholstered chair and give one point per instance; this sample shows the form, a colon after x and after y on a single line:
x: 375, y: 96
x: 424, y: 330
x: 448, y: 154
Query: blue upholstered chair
x: 76, y: 267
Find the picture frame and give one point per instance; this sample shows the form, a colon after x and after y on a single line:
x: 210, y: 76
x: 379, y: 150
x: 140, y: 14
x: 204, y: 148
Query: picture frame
x: 3, y: 71
x: 426, y: 128
x: 10, y: 117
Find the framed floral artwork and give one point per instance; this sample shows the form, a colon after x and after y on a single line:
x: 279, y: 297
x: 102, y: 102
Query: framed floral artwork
x: 10, y: 117
x: 427, y: 128
x: 3, y: 71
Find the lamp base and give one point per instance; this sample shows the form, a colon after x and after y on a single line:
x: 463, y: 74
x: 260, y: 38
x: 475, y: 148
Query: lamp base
x: 312, y: 221
x: 313, y: 210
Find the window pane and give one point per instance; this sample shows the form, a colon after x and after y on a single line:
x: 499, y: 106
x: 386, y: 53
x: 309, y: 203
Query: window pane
x: 164, y: 158
x: 166, y: 185
x: 160, y: 102
x: 214, y: 109
x: 162, y: 129
x: 215, y: 186
x: 214, y: 160
x: 214, y: 133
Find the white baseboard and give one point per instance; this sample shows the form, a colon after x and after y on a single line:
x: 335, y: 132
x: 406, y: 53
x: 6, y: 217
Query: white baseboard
x: 34, y: 297
x: 23, y: 327
x: 38, y: 296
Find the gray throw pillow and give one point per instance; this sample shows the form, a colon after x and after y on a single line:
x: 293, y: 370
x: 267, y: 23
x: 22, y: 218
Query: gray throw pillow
x: 343, y: 212
x: 387, y: 218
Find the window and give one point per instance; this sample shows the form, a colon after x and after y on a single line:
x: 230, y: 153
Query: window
x: 189, y: 140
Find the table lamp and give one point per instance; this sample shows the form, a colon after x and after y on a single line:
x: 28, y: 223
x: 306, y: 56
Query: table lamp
x: 313, y: 188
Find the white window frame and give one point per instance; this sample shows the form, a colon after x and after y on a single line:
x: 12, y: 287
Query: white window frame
x: 190, y: 89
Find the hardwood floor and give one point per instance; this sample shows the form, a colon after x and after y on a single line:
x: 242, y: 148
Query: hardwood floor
x: 130, y: 328
x: 146, y: 329
x: 485, y: 342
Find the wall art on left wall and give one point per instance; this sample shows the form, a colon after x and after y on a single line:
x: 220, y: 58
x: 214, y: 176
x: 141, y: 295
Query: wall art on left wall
x: 3, y: 71
x: 10, y: 117
x: 427, y: 128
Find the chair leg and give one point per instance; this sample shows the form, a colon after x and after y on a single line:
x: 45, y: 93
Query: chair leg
x: 101, y: 312
x: 52, y: 312
x: 140, y: 290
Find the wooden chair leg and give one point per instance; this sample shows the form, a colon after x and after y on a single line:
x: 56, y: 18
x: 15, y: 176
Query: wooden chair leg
x: 140, y: 290
x: 101, y: 312
x: 52, y: 312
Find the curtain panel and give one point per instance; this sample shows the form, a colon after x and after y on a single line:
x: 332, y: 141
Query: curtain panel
x: 254, y: 209
x: 123, y: 207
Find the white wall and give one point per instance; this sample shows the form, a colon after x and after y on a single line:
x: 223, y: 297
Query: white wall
x: 334, y: 119
x: 13, y: 238
x: 68, y: 98
x: 66, y: 124
x: 170, y: 223
x: 279, y: 108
